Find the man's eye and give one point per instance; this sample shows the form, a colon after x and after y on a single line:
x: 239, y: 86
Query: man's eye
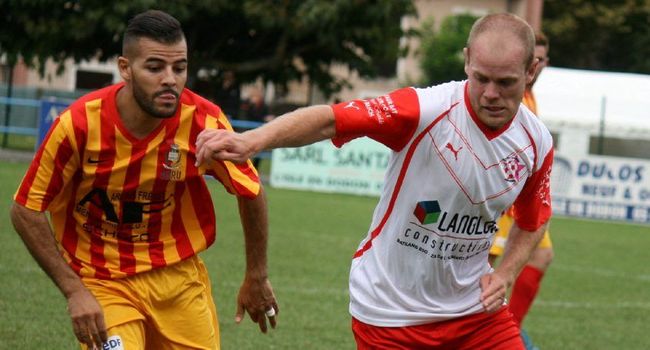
x: 482, y: 80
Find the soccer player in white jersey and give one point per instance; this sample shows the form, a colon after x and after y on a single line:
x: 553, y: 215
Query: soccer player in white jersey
x: 463, y: 152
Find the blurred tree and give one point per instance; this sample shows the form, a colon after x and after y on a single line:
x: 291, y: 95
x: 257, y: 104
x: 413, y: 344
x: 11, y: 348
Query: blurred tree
x: 277, y: 40
x: 442, y: 51
x: 603, y: 35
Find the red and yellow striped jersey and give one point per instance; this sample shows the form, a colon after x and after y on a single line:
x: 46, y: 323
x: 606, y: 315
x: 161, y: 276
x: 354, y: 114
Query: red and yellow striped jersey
x: 121, y: 205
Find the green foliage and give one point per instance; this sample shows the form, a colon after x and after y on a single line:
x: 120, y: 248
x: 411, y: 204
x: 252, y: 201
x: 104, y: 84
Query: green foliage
x: 602, y: 35
x: 278, y: 41
x: 442, y: 51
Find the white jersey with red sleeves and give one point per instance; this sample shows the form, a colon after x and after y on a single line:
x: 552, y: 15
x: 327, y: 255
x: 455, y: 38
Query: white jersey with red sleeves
x: 448, y: 180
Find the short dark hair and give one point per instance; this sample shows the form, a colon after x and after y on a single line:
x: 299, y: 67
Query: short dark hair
x: 152, y: 24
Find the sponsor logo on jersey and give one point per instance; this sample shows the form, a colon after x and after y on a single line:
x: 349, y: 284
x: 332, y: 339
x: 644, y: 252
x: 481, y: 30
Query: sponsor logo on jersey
x: 351, y: 104
x: 453, y: 150
x: 113, y: 343
x: 512, y: 167
x: 466, y: 224
x: 429, y: 212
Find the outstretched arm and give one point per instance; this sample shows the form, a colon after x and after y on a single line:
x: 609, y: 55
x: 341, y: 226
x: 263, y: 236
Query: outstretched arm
x: 298, y: 128
x: 86, y: 313
x: 256, y: 294
x: 519, y: 247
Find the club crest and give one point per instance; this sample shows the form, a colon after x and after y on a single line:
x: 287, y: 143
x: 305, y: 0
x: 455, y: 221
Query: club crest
x: 173, y: 159
x: 512, y: 167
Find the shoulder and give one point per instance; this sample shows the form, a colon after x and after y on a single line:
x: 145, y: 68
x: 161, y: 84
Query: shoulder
x: 435, y: 100
x: 536, y: 131
x: 532, y: 123
x: 103, y: 95
x: 202, y: 105
x: 442, y: 94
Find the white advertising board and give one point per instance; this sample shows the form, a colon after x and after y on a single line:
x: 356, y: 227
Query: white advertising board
x: 357, y: 168
x: 601, y: 187
x: 585, y: 186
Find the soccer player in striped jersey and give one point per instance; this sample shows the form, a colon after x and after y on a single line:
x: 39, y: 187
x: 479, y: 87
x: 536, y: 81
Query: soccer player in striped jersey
x: 463, y: 152
x: 130, y: 211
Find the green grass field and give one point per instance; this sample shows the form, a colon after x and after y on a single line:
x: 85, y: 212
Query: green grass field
x: 596, y: 294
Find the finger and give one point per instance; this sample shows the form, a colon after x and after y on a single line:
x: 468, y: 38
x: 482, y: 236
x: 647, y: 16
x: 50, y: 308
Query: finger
x: 272, y: 316
x: 200, y: 155
x: 262, y: 323
x: 81, y: 333
x: 101, y: 327
x: 87, y: 339
x: 201, y: 137
x: 496, y: 305
x: 93, y: 335
x: 239, y: 315
x: 225, y: 155
x: 493, y: 303
x: 201, y: 140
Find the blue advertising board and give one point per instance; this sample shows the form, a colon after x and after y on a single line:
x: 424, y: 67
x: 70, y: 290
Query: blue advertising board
x: 48, y: 112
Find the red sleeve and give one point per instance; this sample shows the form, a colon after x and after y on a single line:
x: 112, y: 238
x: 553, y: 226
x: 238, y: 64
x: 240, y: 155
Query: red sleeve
x: 532, y: 207
x: 390, y: 119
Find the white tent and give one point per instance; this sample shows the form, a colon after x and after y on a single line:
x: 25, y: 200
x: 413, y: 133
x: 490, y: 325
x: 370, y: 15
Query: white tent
x: 571, y: 98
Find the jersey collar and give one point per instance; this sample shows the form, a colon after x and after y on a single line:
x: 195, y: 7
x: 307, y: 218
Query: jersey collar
x: 488, y: 132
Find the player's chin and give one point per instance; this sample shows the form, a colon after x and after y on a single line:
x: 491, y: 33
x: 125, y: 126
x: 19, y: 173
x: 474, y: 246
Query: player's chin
x: 495, y: 121
x: 166, y: 110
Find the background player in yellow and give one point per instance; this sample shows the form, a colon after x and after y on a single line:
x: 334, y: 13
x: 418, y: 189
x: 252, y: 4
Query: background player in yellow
x: 528, y: 282
x: 130, y: 211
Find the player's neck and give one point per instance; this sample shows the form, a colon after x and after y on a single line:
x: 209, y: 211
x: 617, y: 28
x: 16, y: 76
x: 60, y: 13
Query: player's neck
x: 139, y: 123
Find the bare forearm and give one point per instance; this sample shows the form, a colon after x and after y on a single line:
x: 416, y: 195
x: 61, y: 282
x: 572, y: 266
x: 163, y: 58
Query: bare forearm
x: 518, y: 249
x: 254, y: 218
x: 298, y: 128
x: 34, y: 229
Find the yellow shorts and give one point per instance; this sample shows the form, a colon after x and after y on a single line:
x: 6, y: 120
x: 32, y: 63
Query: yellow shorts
x: 505, y: 224
x: 167, y: 308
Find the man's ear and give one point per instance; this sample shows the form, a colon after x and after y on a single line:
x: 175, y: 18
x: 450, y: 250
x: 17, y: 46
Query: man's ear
x: 124, y: 68
x: 530, y: 72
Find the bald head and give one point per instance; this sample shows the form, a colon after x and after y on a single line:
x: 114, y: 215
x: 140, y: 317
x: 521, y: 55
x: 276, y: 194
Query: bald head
x: 508, y: 28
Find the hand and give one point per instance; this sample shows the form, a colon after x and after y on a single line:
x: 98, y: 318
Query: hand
x: 219, y: 144
x: 87, y: 319
x: 256, y: 297
x: 493, y: 291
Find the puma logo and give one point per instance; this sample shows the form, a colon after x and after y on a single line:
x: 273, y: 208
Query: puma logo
x: 352, y: 105
x: 455, y: 152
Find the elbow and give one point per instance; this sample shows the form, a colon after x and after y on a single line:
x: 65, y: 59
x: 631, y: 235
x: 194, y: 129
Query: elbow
x: 21, y: 215
x: 15, y: 213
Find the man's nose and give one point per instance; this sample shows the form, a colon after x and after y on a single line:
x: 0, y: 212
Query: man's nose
x: 169, y: 78
x: 491, y: 91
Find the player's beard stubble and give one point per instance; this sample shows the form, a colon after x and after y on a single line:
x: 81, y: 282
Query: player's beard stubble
x: 147, y: 103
